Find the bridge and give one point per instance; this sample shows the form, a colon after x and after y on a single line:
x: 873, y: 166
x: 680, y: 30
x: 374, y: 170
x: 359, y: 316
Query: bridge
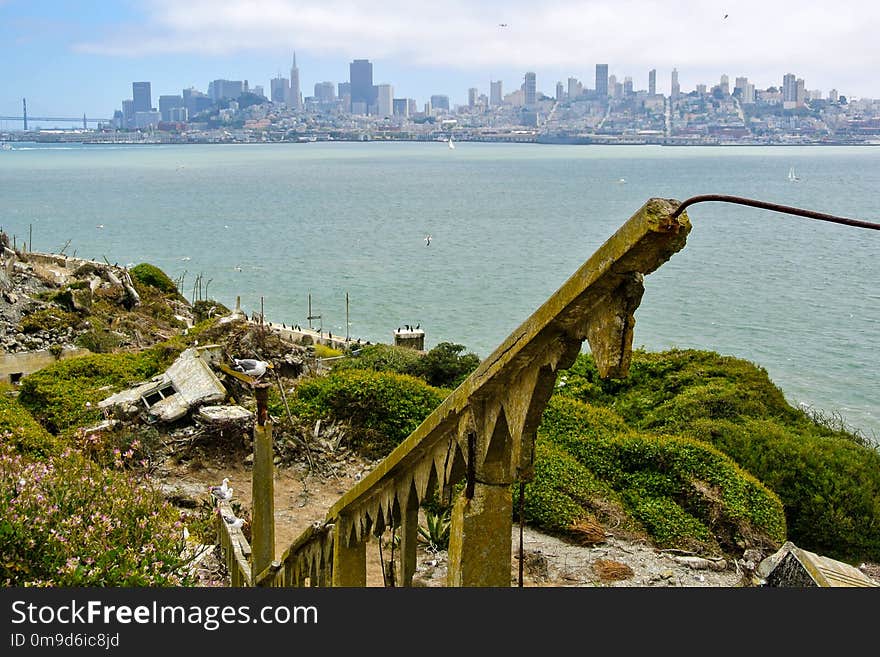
x: 482, y: 435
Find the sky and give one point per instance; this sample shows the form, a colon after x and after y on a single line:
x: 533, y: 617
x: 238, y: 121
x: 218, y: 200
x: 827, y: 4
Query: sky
x: 70, y: 58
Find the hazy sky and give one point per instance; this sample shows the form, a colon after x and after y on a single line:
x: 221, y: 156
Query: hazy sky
x: 68, y: 58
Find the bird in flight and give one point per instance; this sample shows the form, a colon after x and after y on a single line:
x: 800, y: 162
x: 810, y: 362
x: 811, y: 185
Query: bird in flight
x: 427, y: 240
x: 725, y: 16
x: 502, y: 24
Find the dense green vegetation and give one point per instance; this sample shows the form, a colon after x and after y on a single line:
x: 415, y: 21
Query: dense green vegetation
x: 444, y: 366
x: 20, y: 430
x: 827, y: 477
x: 383, y: 408
x: 152, y: 276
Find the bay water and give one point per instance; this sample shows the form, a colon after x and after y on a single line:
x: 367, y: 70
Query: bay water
x: 280, y: 225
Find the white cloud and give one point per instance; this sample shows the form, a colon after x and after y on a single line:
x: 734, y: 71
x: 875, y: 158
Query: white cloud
x: 758, y: 38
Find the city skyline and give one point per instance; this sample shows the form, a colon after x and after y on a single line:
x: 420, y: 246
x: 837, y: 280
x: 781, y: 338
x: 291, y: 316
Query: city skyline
x: 73, y: 60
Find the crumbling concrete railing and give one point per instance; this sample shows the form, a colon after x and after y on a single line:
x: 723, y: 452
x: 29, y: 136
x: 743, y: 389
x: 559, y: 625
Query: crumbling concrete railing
x: 235, y: 547
x: 484, y: 432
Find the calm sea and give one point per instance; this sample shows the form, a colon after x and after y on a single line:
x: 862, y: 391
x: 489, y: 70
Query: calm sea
x: 509, y: 224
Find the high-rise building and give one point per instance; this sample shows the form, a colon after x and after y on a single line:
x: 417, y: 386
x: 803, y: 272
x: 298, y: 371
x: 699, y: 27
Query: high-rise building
x: 166, y: 104
x: 574, y: 88
x: 652, y: 82
x: 674, y: 88
x: 195, y: 102
x: 627, y: 86
x: 473, y: 94
x: 439, y: 102
x: 360, y: 73
x: 141, y: 96
x: 800, y: 93
x: 789, y: 88
x: 325, y: 92
x: 279, y: 89
x: 384, y: 100
x: 530, y: 89
x: 296, y: 99
x: 602, y: 81
x: 413, y: 107
x: 612, y: 86
x: 496, y: 97
x: 401, y: 107
x: 128, y: 114
x: 225, y: 89
x: 560, y: 91
x: 724, y: 85
x: 833, y: 96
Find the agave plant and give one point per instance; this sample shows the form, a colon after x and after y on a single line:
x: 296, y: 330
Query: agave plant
x: 435, y: 531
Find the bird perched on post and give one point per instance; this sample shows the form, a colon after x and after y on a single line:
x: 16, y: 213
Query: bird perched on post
x: 223, y: 492
x: 250, y: 366
x: 233, y: 522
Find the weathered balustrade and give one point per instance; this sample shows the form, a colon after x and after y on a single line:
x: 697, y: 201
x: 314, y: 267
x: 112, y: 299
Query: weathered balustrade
x: 484, y: 432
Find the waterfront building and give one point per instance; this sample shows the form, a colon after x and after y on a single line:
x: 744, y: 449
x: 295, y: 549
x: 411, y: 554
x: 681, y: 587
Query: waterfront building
x: 602, y: 81
x: 141, y: 96
x: 360, y: 73
x: 495, y: 94
x: 146, y: 120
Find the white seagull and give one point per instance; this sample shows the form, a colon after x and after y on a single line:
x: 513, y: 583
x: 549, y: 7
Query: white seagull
x: 233, y: 522
x: 223, y: 492
x: 427, y: 240
x: 251, y: 366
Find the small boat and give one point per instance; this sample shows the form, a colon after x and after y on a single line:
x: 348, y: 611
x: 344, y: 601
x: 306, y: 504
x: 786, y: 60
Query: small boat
x: 451, y: 145
x: 791, y: 175
x: 5, y: 146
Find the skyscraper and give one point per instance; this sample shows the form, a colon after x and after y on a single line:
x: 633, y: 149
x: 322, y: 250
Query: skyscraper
x: 602, y: 81
x: 168, y: 103
x: 279, y: 89
x: 296, y: 99
x: 495, y: 95
x: 674, y: 89
x: 384, y: 100
x: 360, y: 73
x: 473, y: 94
x: 530, y: 89
x: 325, y: 92
x: 789, y: 88
x: 560, y: 91
x: 573, y: 88
x: 652, y: 82
x: 141, y: 97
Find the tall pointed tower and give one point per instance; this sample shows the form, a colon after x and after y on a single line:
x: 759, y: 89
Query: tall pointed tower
x: 295, y: 100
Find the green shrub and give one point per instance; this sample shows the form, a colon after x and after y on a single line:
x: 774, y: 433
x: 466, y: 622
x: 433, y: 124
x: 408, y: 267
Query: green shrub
x: 50, y: 319
x: 382, y: 358
x: 714, y: 498
x: 98, y: 341
x: 324, y: 351
x: 21, y: 431
x: 827, y: 476
x: 67, y: 522
x: 444, y: 366
x: 154, y: 277
x: 382, y: 407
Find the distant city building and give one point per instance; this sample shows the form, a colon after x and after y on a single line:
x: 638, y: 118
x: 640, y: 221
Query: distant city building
x: 574, y: 88
x: 361, y: 79
x: 674, y: 88
x: 295, y: 101
x: 225, y: 89
x: 128, y: 114
x: 166, y: 104
x: 279, y: 89
x: 701, y: 89
x: 258, y: 91
x: 612, y: 87
x: 428, y: 109
x: 439, y: 102
x: 178, y: 115
x: 495, y: 94
x: 800, y: 93
x: 724, y: 86
x: 627, y: 86
x: 652, y: 82
x: 560, y: 91
x: 413, y: 107
x: 141, y: 96
x: 325, y: 92
x: 789, y: 91
x: 118, y: 120
x: 146, y: 120
x: 833, y: 96
x: 530, y: 89
x: 473, y: 94
x: 384, y: 100
x: 602, y: 81
x: 195, y: 102
x: 401, y: 107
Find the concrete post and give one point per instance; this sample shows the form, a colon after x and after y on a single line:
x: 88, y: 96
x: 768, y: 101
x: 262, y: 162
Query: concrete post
x: 479, y: 537
x: 263, y: 487
x: 349, y: 561
x: 409, y: 536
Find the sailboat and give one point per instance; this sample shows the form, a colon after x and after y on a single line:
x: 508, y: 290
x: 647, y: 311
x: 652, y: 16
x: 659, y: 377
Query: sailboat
x: 791, y: 175
x: 451, y: 145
